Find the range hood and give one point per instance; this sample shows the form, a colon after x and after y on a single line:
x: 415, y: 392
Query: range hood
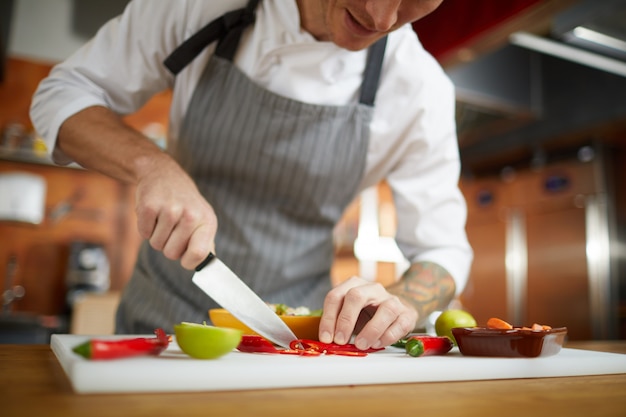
x: 596, y: 25
x: 544, y: 90
x: 591, y: 33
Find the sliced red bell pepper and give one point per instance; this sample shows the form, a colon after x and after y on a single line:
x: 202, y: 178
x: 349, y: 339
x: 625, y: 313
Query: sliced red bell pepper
x: 302, y: 347
x: 124, y: 348
x: 299, y: 352
x: 256, y: 344
x: 331, y: 348
x: 345, y: 353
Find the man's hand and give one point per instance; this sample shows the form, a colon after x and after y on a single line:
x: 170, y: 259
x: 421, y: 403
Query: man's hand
x: 381, y: 316
x: 174, y: 216
x: 366, y: 308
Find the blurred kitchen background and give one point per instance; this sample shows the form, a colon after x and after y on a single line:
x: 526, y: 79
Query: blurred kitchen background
x: 541, y: 113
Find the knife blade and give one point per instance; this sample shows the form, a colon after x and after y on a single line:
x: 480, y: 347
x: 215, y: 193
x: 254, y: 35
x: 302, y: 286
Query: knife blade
x: 220, y: 283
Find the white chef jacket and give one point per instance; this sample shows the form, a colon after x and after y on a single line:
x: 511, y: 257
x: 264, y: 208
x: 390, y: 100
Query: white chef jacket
x: 413, y: 135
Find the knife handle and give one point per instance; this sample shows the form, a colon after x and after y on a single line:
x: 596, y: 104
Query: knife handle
x: 206, y: 261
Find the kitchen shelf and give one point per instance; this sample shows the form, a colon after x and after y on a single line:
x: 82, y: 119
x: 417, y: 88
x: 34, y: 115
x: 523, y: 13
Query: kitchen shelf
x: 30, y: 156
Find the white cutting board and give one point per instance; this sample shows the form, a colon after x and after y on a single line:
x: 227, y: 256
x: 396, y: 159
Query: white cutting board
x: 174, y: 371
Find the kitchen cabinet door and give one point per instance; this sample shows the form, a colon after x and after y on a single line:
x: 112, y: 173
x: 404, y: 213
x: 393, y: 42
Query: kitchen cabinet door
x: 558, y: 284
x: 557, y: 214
x: 485, y: 293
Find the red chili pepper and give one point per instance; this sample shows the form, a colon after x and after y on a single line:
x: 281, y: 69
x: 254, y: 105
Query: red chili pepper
x: 124, y: 348
x: 256, y: 344
x: 299, y: 352
x: 330, y: 348
x: 302, y: 347
x: 428, y: 345
x: 345, y: 353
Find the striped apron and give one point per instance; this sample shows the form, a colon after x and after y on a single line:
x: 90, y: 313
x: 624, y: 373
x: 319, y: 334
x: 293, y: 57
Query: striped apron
x: 279, y: 174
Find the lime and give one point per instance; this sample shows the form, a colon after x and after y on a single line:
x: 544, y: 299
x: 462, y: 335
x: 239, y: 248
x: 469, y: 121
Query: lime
x: 202, y: 341
x: 449, y: 319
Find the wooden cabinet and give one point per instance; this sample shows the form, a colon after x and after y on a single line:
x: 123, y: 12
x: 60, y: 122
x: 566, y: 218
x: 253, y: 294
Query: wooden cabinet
x: 80, y: 206
x: 486, y: 293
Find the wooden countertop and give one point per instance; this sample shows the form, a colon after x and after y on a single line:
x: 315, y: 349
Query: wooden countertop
x: 32, y: 383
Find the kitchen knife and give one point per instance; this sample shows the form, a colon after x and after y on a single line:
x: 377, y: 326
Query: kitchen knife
x: 224, y: 286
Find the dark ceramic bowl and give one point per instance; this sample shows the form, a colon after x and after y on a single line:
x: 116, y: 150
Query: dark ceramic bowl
x: 510, y: 343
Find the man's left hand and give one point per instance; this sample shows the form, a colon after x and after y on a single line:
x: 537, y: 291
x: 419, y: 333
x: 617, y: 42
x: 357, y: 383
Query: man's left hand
x: 366, y: 308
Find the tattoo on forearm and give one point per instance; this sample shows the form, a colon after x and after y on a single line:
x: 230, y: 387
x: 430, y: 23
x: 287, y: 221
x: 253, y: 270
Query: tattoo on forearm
x: 427, y: 287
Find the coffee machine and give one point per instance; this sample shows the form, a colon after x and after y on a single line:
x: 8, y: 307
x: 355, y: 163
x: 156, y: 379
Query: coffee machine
x: 88, y: 271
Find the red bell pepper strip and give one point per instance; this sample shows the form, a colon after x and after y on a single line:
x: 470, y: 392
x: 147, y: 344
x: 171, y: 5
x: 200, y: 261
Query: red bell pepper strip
x: 345, y: 353
x: 331, y: 348
x: 428, y: 345
x: 256, y: 344
x: 124, y: 348
x: 302, y: 347
x: 299, y: 352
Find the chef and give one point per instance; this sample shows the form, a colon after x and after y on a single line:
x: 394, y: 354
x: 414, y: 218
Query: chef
x: 282, y: 112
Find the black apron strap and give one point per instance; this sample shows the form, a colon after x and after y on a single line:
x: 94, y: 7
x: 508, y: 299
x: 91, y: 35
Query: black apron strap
x: 373, y: 68
x: 227, y: 29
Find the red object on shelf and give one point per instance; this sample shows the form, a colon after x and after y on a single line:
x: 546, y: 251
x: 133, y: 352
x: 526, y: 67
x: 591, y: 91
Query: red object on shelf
x: 455, y: 23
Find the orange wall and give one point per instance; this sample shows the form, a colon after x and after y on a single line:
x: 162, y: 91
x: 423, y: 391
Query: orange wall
x: 22, y: 78
x: 48, y: 244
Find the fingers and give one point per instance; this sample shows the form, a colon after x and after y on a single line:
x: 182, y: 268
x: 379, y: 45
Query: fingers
x: 199, y: 247
x: 392, y: 321
x: 329, y: 330
x: 167, y: 229
x: 176, y: 219
x: 388, y: 319
x: 185, y: 236
x: 146, y: 220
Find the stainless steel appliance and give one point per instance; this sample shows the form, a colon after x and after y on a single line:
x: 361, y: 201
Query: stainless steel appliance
x: 545, y: 245
x: 88, y: 270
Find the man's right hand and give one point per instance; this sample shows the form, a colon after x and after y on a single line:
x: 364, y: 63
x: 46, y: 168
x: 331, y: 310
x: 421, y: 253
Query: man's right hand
x: 173, y: 215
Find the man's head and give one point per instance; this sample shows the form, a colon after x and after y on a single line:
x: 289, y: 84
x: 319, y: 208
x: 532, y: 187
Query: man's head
x: 357, y: 24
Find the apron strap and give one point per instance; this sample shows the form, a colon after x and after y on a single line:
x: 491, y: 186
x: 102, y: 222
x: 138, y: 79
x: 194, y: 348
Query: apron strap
x: 227, y: 29
x: 373, y: 68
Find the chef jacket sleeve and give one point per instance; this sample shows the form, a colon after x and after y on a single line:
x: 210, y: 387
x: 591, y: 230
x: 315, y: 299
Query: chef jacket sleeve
x: 120, y: 68
x: 431, y: 210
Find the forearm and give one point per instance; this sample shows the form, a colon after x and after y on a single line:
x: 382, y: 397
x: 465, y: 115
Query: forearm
x: 171, y: 213
x: 99, y: 140
x: 425, y: 286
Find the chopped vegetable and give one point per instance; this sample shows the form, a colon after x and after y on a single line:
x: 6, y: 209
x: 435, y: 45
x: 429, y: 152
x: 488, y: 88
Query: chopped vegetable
x: 256, y: 344
x: 303, y: 347
x: 496, y: 323
x: 299, y: 352
x: 285, y: 310
x: 419, y: 345
x: 332, y: 348
x: 114, y: 349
